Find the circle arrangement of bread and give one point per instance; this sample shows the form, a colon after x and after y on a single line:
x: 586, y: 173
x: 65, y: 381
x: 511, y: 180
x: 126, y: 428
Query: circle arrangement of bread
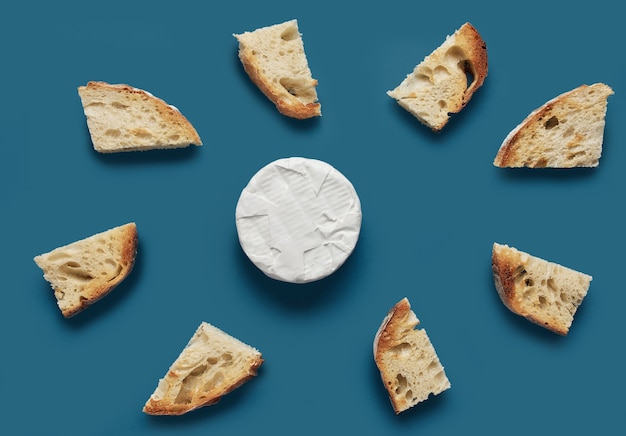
x: 298, y: 219
x: 565, y: 132
x: 407, y: 361
x: 543, y: 292
x: 84, y: 271
x: 275, y: 60
x: 212, y: 364
x: 438, y: 86
x: 123, y: 118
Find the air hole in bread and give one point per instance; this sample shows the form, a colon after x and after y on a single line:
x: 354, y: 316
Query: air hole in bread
x: 552, y: 122
x: 117, y: 273
x: 519, y: 272
x: 421, y: 77
x: 58, y: 256
x: 468, y: 68
x: 551, y: 284
x: 529, y: 282
x: 402, y: 383
x: 572, y: 156
x: 290, y: 34
x: 442, y: 104
x: 214, y: 381
x: 528, y: 294
x: 114, y: 133
x: 227, y: 359
x: 74, y: 271
x: 118, y: 105
x: 402, y: 349
x: 185, y: 395
x: 440, y: 73
x: 423, y: 71
x: 434, y: 365
x: 141, y: 133
x: 568, y: 132
x: 440, y: 376
x: 298, y: 87
x: 542, y: 301
x: 455, y: 54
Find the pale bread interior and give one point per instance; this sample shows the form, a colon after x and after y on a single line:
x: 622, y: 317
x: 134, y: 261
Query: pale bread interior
x: 84, y: 271
x: 408, y: 363
x: 124, y: 118
x: 275, y: 60
x: 444, y: 81
x: 212, y: 364
x: 545, y: 292
x: 566, y: 132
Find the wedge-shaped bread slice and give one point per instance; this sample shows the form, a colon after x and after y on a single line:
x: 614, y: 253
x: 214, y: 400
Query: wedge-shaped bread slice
x: 275, y: 60
x: 123, y: 118
x: 543, y: 292
x: 406, y: 359
x: 210, y: 366
x: 84, y: 271
x: 566, y: 132
x: 438, y: 86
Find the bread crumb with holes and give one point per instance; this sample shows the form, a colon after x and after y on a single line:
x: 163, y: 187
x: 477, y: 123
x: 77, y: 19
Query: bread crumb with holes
x: 545, y: 293
x: 212, y: 364
x: 84, y: 271
x: 565, y: 132
x: 275, y: 60
x: 444, y: 82
x: 409, y: 366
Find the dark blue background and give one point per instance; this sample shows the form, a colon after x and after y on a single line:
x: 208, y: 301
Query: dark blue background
x: 432, y: 207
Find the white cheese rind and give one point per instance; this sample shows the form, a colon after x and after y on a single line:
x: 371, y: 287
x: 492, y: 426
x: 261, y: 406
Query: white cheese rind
x: 298, y: 219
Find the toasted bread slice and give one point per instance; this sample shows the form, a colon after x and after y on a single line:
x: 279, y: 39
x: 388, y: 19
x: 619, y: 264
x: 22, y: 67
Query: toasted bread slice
x: 210, y: 366
x: 546, y: 293
x: 84, y: 271
x: 406, y: 359
x: 565, y: 132
x: 275, y: 60
x: 123, y: 118
x: 438, y: 86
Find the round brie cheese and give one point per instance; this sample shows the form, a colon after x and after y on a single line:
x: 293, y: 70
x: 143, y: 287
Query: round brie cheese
x: 298, y: 219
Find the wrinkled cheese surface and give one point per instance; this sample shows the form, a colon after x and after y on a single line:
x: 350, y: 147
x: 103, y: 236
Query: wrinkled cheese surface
x: 298, y: 219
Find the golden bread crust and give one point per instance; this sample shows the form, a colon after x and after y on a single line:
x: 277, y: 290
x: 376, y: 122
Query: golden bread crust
x: 168, y: 116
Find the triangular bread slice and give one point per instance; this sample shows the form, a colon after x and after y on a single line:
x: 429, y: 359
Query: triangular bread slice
x: 210, y: 366
x: 406, y: 359
x: 123, y: 118
x: 84, y: 271
x: 565, y: 132
x: 276, y: 62
x: 438, y: 86
x: 546, y: 293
